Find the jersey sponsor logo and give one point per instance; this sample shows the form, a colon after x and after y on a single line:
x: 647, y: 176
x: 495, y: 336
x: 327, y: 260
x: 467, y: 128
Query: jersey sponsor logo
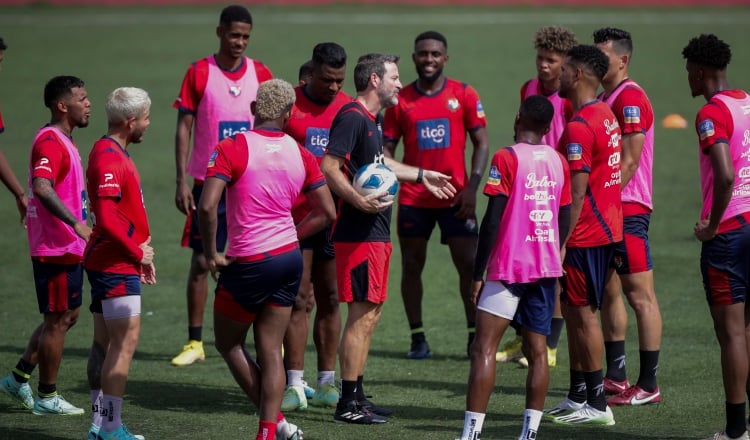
x: 613, y: 159
x: 109, y: 181
x: 480, y: 110
x: 108, y: 177
x: 453, y: 104
x: 231, y: 128
x: 540, y: 197
x: 212, y: 158
x: 631, y: 114
x: 235, y: 90
x: 575, y: 151
x: 43, y: 164
x: 540, y: 215
x: 84, y: 205
x: 316, y: 140
x: 706, y: 129
x: 744, y: 173
x: 433, y: 134
x: 745, y: 109
x: 43, y: 161
x: 272, y: 148
x: 495, y: 176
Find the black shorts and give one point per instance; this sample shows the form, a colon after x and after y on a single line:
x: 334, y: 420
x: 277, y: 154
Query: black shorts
x: 416, y: 222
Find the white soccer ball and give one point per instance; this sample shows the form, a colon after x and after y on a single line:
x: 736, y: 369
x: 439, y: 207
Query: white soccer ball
x: 376, y: 178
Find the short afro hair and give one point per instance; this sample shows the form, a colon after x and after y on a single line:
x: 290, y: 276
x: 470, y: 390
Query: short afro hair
x: 3, y: 46
x: 234, y: 13
x: 275, y: 97
x: 329, y: 54
x: 555, y: 39
x: 431, y: 35
x: 536, y: 112
x: 708, y: 50
x: 621, y: 40
x: 590, y: 56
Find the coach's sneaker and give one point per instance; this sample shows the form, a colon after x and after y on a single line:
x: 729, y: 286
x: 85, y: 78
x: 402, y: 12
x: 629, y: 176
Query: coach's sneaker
x: 94, y: 431
x: 309, y: 391
x: 191, y: 353
x: 588, y: 415
x: 352, y: 412
x: 635, y: 396
x: 615, y: 387
x: 419, y: 350
x: 326, y: 396
x: 121, y: 433
x: 510, y: 351
x: 288, y: 431
x: 20, y: 392
x: 551, y: 359
x: 375, y: 409
x: 563, y: 408
x: 294, y: 399
x: 55, y: 405
x: 724, y: 436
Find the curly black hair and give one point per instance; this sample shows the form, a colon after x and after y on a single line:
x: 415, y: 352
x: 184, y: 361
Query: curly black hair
x: 537, y: 112
x: 621, y: 40
x: 3, y: 46
x: 708, y: 50
x: 591, y: 57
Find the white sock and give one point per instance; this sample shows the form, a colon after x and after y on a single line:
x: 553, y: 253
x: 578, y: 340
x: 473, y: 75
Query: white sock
x: 472, y: 425
x: 294, y: 377
x: 325, y: 377
x: 96, y: 403
x: 531, y: 419
x: 111, y: 412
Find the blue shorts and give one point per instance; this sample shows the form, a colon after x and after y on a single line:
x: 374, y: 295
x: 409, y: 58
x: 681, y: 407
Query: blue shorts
x: 725, y: 266
x: 59, y: 287
x: 248, y: 284
x: 320, y: 244
x: 585, y: 276
x: 191, y: 234
x: 105, y: 285
x: 633, y: 253
x: 416, y: 222
x: 536, y: 305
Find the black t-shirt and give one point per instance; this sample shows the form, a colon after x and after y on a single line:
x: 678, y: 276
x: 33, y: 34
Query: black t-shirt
x: 357, y: 136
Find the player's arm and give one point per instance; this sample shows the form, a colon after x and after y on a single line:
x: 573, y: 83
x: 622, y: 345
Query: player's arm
x: 117, y: 232
x: 184, y: 196
x: 389, y: 148
x: 207, y: 214
x: 436, y: 183
x: 391, y: 132
x: 579, y: 181
x: 14, y: 186
x: 331, y: 167
x: 467, y: 199
x: 488, y: 236
x: 45, y: 192
x: 632, y: 147
x: 723, y: 183
x: 323, y: 211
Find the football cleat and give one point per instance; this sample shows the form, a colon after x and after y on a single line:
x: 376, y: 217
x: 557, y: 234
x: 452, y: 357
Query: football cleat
x: 510, y: 351
x: 565, y: 407
x: 55, y: 405
x: 635, y: 396
x: 588, y: 415
x: 20, y: 392
x: 294, y: 399
x: 191, y: 353
x: 615, y: 387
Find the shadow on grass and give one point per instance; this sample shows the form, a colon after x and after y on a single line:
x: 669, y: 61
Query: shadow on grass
x: 83, y: 353
x: 24, y: 433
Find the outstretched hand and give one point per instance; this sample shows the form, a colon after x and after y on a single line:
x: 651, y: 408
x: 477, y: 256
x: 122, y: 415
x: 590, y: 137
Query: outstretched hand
x: 438, y: 184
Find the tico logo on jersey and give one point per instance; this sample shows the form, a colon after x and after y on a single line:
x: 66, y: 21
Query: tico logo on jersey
x: 316, y: 140
x: 433, y: 134
x: 231, y: 128
x: 631, y: 114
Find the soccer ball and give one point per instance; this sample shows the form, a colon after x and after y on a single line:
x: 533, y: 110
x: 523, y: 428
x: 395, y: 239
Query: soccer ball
x: 376, y: 178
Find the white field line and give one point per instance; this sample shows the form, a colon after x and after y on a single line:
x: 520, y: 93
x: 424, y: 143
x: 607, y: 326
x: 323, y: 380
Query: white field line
x: 161, y: 17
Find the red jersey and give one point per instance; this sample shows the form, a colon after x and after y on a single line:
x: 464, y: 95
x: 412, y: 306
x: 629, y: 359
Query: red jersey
x: 434, y: 129
x: 309, y: 126
x: 49, y: 159
x: 196, y: 78
x: 591, y: 143
x: 118, y: 212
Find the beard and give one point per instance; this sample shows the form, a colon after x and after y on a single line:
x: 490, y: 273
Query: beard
x: 387, y: 99
x: 431, y: 77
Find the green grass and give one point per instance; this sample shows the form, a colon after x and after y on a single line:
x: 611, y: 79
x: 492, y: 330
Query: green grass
x: 491, y: 49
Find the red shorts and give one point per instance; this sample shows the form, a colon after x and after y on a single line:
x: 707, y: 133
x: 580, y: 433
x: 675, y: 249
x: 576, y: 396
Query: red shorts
x: 362, y: 271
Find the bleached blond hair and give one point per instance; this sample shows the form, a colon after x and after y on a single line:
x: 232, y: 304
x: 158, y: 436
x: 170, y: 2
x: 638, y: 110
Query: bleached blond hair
x: 126, y: 102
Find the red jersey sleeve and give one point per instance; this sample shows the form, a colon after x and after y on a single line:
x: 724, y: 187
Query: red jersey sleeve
x: 633, y: 111
x: 313, y: 176
x: 262, y: 71
x: 108, y: 176
x: 473, y: 111
x: 193, y: 86
x: 714, y: 125
x: 229, y: 160
x: 566, y: 197
x: 576, y: 143
x: 50, y: 159
x: 502, y: 173
x: 568, y: 109
x: 391, y: 127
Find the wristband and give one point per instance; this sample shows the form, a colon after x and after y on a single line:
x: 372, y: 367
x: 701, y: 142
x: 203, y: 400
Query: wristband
x: 420, y: 173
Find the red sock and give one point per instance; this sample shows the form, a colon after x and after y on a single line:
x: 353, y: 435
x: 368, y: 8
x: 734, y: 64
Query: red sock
x: 266, y: 430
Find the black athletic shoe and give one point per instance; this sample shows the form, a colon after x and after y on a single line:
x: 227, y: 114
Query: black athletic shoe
x: 375, y: 409
x: 419, y: 350
x: 352, y: 412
